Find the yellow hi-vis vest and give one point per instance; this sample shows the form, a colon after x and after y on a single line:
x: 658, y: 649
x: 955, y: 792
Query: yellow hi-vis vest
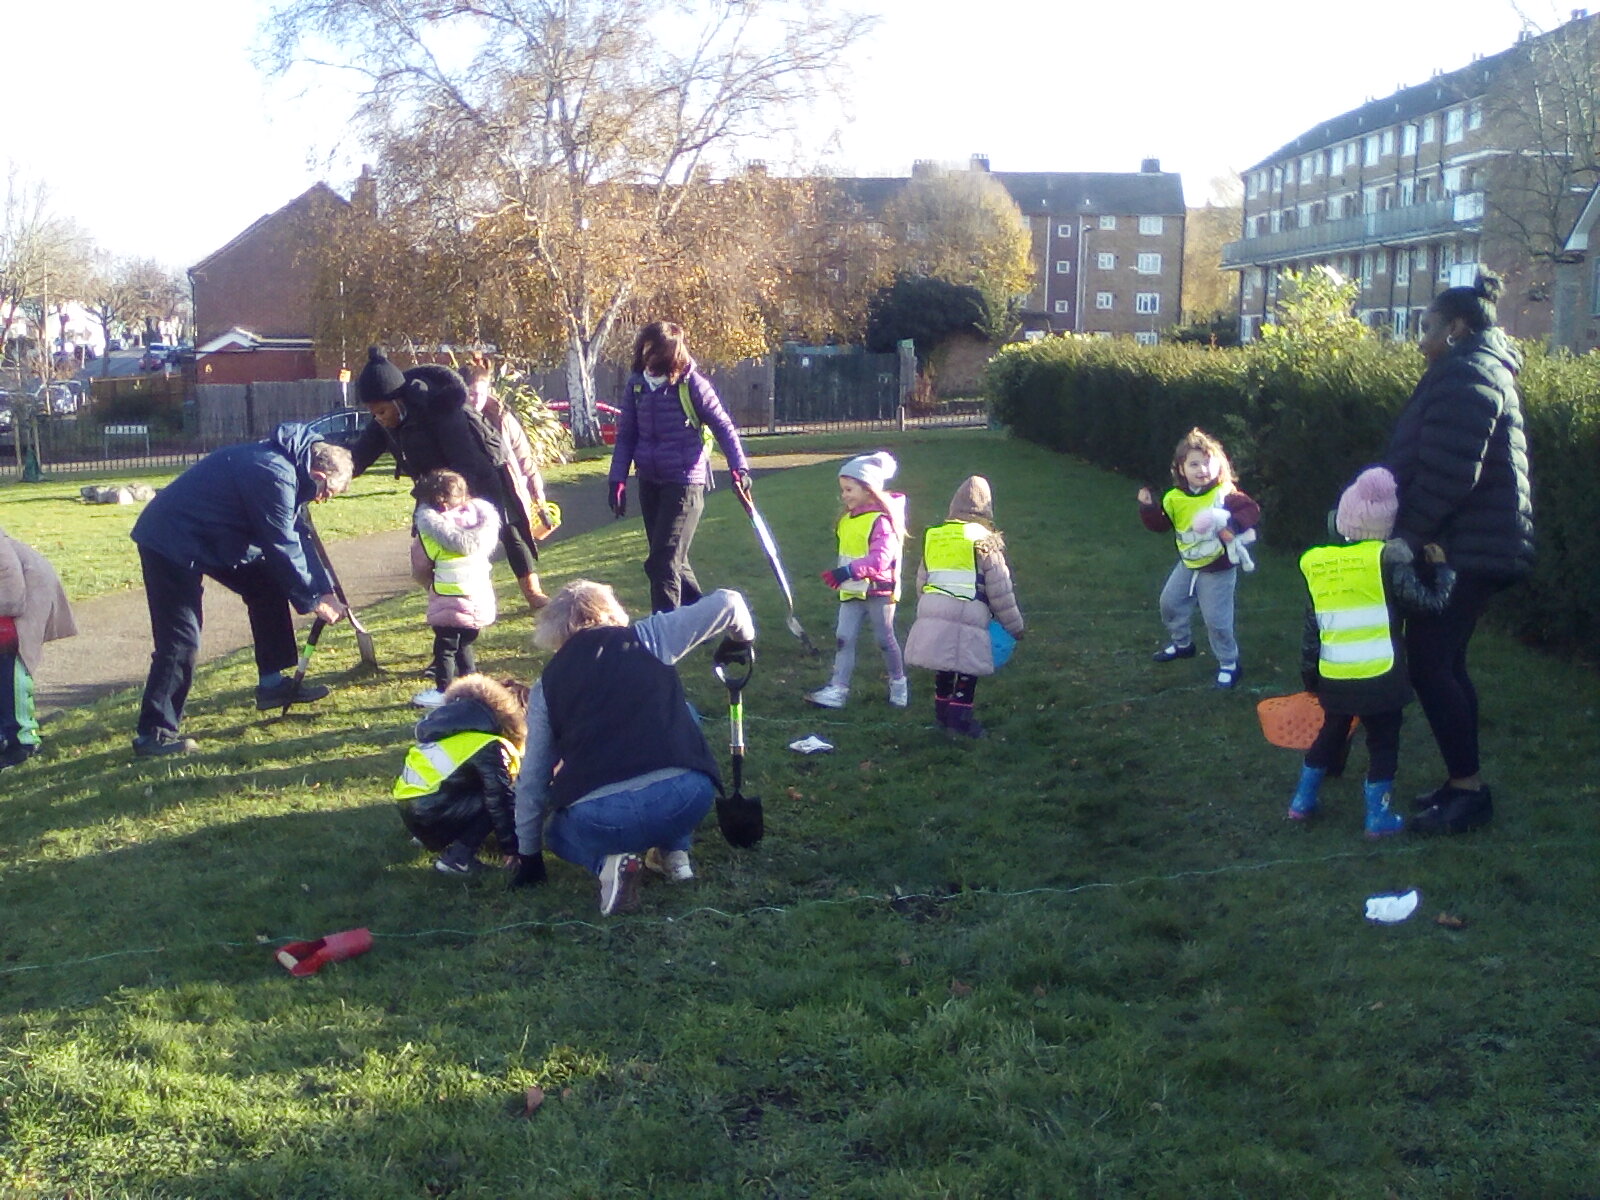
x: 451, y: 571
x: 1181, y: 509
x: 855, y: 539
x: 428, y: 764
x: 1346, y: 585
x: 952, y: 565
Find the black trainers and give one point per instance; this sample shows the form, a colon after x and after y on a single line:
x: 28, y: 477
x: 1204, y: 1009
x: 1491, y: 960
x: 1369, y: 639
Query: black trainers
x: 286, y: 692
x: 1173, y: 651
x: 149, y: 745
x: 457, y: 860
x: 15, y: 754
x: 1458, y: 811
x: 1428, y: 799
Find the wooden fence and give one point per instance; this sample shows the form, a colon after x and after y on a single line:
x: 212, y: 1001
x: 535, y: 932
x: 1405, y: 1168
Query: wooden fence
x: 239, y: 412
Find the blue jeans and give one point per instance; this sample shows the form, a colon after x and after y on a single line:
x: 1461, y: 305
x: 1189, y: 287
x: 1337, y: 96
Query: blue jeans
x: 662, y: 814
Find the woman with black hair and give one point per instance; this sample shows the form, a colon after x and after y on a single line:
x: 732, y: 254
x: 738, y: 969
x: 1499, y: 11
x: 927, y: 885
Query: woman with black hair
x: 1460, y: 457
x: 669, y: 416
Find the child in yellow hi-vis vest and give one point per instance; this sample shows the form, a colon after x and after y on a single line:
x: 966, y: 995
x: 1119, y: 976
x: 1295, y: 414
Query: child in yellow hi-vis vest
x: 964, y: 589
x: 871, y: 535
x: 1352, y: 654
x: 455, y: 534
x: 455, y: 788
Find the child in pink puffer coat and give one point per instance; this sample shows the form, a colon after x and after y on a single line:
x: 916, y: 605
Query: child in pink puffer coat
x: 454, y: 535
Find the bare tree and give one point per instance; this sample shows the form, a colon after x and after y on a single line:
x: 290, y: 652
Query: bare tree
x: 584, y: 133
x: 43, y: 258
x: 124, y: 291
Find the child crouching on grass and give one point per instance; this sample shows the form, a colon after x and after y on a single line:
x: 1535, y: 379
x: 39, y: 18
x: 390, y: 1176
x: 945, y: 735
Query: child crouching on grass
x: 456, y: 786
x: 33, y: 611
x: 871, y: 535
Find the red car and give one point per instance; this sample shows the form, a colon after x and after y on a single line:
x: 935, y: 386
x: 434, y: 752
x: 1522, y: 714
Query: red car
x: 607, y: 413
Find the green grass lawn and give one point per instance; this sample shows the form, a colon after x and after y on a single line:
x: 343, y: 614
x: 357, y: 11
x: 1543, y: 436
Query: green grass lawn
x: 1086, y: 957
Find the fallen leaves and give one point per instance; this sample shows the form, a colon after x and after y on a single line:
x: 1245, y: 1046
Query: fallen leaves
x: 1450, y: 921
x: 959, y: 989
x: 531, y: 1100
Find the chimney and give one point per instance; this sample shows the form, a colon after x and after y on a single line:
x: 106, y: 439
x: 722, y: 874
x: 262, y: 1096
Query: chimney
x: 1150, y: 166
x: 756, y: 167
x: 980, y: 162
x: 923, y: 167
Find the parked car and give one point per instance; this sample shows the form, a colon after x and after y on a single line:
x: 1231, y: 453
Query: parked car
x: 58, y: 399
x: 156, y: 355
x: 606, y: 412
x: 342, y: 426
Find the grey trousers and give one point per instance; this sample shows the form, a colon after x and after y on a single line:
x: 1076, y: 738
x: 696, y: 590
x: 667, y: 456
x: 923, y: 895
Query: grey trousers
x: 880, y: 611
x: 1213, y: 592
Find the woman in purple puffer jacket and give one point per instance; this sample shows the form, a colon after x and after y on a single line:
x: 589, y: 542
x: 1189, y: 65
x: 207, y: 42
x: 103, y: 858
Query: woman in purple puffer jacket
x: 665, y: 408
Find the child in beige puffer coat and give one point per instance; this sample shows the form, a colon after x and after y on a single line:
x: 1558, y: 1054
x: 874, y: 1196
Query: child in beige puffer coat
x: 963, y: 583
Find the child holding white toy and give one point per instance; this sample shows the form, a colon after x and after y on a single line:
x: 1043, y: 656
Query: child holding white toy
x: 1208, y: 516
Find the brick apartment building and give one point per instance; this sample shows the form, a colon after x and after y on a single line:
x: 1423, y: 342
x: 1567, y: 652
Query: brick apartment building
x: 1408, y: 195
x: 1107, y: 246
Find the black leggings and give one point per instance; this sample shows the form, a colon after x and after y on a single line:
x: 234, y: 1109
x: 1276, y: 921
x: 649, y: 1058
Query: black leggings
x: 951, y: 685
x: 452, y: 654
x: 1436, y: 655
x: 671, y: 512
x: 1383, y: 743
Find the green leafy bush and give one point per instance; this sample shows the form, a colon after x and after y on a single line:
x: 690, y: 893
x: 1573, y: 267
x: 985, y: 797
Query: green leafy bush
x: 1300, y: 412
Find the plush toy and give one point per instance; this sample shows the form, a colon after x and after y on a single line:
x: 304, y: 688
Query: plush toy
x: 1212, y: 521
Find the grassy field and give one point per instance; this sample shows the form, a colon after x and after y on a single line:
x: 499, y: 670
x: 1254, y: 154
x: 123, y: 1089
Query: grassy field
x: 1086, y: 957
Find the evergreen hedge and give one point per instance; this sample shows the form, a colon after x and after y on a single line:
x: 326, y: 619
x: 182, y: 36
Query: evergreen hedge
x: 1299, y: 417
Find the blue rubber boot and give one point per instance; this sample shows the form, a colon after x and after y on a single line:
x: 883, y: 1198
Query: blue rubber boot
x: 1382, y: 820
x: 1304, y: 801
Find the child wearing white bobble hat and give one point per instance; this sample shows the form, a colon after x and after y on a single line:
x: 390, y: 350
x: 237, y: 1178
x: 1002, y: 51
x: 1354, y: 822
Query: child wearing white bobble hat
x: 867, y: 576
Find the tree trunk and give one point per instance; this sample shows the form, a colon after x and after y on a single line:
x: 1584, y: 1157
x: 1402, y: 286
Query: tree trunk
x: 580, y: 394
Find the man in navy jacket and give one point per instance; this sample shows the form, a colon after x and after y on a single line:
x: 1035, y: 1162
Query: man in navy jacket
x: 234, y: 517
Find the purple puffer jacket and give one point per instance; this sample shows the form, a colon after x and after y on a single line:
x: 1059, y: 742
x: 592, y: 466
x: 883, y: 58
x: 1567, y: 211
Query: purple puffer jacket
x: 654, y: 436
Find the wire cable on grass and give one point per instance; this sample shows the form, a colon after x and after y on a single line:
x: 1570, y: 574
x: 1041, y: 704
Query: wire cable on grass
x: 897, y: 897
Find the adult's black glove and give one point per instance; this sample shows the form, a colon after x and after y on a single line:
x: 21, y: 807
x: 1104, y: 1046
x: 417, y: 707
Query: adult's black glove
x: 527, y: 871
x: 619, y: 498
x: 742, y: 487
x: 731, y: 652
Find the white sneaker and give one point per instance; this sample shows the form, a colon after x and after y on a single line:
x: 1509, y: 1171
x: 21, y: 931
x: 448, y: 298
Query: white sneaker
x: 900, y: 692
x: 832, y: 696
x: 619, y: 883
x: 432, y: 698
x: 674, y: 864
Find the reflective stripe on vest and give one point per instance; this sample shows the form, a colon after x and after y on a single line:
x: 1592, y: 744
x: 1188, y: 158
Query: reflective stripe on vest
x: 452, y: 572
x: 855, y: 539
x: 1346, y: 585
x: 428, y: 764
x: 951, y: 562
x: 1181, y: 509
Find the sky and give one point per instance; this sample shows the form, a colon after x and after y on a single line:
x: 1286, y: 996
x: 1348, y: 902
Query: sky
x: 157, y: 133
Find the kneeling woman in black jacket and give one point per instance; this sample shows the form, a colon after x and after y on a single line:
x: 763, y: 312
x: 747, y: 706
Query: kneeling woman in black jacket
x: 1460, y: 457
x: 636, y: 775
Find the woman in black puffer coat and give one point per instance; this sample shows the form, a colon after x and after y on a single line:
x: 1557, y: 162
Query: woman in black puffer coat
x: 1460, y: 458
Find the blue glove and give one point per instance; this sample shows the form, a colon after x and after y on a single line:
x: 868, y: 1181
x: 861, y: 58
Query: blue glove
x: 836, y: 578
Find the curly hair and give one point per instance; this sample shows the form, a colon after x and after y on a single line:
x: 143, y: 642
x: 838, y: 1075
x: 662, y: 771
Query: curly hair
x: 440, y: 489
x: 577, y: 605
x: 1199, y: 439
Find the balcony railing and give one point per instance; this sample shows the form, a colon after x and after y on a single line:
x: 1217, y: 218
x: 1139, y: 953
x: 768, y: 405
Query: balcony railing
x: 1454, y: 214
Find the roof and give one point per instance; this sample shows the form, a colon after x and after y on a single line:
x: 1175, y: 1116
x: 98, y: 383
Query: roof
x: 317, y: 191
x: 1137, y: 193
x: 1407, y: 104
x: 242, y: 339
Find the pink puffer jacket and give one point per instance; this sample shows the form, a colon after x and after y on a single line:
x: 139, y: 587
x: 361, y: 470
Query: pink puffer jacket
x: 473, y: 531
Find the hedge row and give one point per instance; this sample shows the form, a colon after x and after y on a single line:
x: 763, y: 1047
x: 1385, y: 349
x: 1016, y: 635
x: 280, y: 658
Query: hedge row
x: 1298, y: 423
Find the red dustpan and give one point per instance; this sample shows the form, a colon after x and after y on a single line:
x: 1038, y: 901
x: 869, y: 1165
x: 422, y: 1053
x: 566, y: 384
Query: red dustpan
x: 307, y: 958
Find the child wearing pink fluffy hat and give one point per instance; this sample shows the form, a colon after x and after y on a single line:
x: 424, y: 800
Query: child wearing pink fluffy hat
x: 1352, y: 654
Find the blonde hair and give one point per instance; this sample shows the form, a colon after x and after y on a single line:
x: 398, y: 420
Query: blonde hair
x: 577, y: 605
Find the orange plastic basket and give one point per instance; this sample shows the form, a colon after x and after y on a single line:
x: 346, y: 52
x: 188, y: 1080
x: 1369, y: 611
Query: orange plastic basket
x: 1292, y: 722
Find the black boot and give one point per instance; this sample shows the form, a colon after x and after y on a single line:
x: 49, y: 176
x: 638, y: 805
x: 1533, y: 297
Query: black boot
x: 1456, y: 811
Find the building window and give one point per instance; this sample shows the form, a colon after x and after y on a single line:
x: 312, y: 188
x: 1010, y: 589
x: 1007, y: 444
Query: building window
x: 1064, y: 230
x: 1147, y: 303
x: 1149, y: 264
x: 1454, y: 126
x: 1063, y: 306
x: 1427, y: 129
x: 1381, y: 261
x: 1106, y: 262
x: 1154, y: 225
x: 1108, y: 222
x: 1386, y: 142
x: 1252, y: 185
x: 1319, y: 164
x: 1103, y: 300
x: 1063, y: 266
x: 1277, y: 179
x: 1420, y: 261
x: 1276, y: 224
x: 1366, y: 266
x: 1452, y: 181
x: 1408, y: 140
x: 1398, y: 317
x: 1369, y: 157
x: 1146, y: 338
x: 1408, y: 193
x: 1402, y: 267
x: 1475, y: 115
